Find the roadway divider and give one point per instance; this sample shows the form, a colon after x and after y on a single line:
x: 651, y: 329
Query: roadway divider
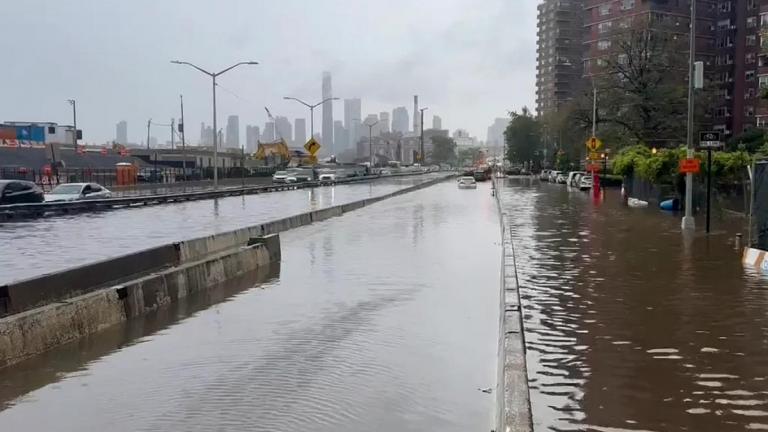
x: 46, y: 311
x: 513, y: 403
x: 25, y: 211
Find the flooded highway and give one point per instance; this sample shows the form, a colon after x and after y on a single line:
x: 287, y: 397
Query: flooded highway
x: 629, y: 325
x: 384, y: 319
x: 45, y: 245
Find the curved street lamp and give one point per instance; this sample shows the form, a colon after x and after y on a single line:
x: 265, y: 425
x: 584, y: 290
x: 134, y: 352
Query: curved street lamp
x: 311, y: 110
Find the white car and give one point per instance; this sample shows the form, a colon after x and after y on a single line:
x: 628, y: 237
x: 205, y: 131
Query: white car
x: 586, y: 182
x: 467, y: 183
x: 77, y: 192
x: 561, y: 178
x: 281, y: 177
x: 327, y: 176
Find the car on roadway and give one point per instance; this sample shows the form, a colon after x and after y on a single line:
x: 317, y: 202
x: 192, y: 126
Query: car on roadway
x: 544, y: 175
x: 586, y: 182
x: 562, y: 178
x: 77, y: 192
x: 467, y: 182
x: 327, y: 176
x: 552, y: 178
x: 19, y: 192
x: 280, y: 177
x: 572, y: 178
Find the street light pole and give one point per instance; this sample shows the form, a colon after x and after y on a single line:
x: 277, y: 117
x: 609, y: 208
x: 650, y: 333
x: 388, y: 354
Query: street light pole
x: 74, y: 121
x: 421, y: 138
x: 149, y: 125
x: 183, y: 143
x: 213, y: 76
x: 688, y: 221
x: 370, y: 142
x: 311, y: 111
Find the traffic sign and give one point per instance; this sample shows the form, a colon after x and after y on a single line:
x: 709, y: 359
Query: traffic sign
x: 690, y: 166
x: 312, y: 146
x: 595, y: 156
x: 594, y: 143
x: 593, y: 167
x: 710, y: 140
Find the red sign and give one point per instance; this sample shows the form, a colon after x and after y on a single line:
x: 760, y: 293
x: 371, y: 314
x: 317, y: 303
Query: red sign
x: 593, y: 167
x: 690, y: 166
x: 80, y: 150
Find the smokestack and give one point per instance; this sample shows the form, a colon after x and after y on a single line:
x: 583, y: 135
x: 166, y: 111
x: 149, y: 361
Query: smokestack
x: 416, y: 114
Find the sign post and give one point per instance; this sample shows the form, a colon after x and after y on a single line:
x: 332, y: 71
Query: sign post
x: 593, y: 145
x: 709, y: 141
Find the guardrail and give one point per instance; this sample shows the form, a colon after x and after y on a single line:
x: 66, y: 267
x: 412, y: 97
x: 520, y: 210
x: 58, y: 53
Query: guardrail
x: 36, y: 210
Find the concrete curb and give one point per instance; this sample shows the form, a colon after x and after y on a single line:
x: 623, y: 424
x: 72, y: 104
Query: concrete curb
x: 513, y: 402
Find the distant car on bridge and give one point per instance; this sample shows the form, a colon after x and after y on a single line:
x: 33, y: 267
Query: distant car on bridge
x: 77, y: 192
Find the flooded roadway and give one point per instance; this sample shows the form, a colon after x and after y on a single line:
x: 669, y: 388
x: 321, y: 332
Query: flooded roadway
x: 39, y: 246
x: 384, y: 319
x: 629, y: 327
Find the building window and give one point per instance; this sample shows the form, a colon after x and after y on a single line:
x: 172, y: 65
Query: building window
x: 749, y: 75
x: 603, y: 44
x: 763, y: 81
x: 723, y: 24
x: 623, y: 59
x: 604, y: 27
x: 724, y: 6
x: 749, y: 93
x: 605, y: 9
x: 762, y: 121
x: 602, y: 62
x: 750, y: 58
x: 751, y: 40
x: 722, y: 112
x: 751, y: 4
x: 627, y: 4
x: 764, y: 19
x: 751, y: 22
x: 749, y: 111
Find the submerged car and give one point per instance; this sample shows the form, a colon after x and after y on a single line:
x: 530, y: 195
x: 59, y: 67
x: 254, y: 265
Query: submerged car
x: 19, y: 192
x: 586, y: 182
x: 467, y: 183
x: 280, y: 177
x: 77, y: 192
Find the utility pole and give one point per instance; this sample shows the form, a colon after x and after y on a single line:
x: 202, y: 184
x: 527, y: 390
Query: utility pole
x: 173, y: 132
x: 74, y: 121
x: 183, y: 143
x: 688, y: 220
x: 149, y: 125
x: 421, y: 137
x: 370, y: 143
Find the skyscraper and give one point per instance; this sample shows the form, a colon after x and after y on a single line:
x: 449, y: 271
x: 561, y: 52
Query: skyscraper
x: 371, y: 119
x: 269, y: 132
x: 400, y: 120
x: 206, y: 135
x: 383, y: 121
x: 233, y: 132
x: 121, y: 132
x: 327, y: 113
x: 340, y: 136
x: 300, y: 131
x: 283, y: 129
x: 352, y: 118
x: 495, y: 136
x: 416, y: 119
x: 437, y: 122
x: 252, y: 136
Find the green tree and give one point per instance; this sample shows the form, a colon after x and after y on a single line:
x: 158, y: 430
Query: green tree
x: 443, y: 149
x: 523, y: 137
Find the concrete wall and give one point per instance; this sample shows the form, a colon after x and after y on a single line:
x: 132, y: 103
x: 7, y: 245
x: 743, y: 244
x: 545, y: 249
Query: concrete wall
x: 512, y: 394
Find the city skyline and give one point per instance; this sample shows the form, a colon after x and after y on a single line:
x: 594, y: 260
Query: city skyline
x: 150, y: 86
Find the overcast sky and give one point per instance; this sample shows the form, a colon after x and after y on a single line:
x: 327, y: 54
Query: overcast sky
x: 468, y: 60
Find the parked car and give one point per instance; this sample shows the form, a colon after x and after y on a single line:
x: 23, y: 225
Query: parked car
x: 280, y: 177
x: 586, y: 182
x: 19, y: 192
x: 77, y: 192
x: 553, y: 176
x: 544, y: 175
x: 561, y: 178
x: 467, y: 182
x: 571, y: 181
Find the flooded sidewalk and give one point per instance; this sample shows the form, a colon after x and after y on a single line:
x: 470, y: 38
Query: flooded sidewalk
x: 629, y: 325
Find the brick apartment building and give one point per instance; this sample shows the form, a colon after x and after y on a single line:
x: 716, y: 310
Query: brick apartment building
x: 732, y: 41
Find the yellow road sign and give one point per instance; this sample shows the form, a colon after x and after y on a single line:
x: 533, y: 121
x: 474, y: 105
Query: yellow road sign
x: 312, y: 146
x: 595, y: 156
x: 594, y: 143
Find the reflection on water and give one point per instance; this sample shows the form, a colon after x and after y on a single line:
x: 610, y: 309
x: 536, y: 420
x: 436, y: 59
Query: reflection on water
x: 629, y: 324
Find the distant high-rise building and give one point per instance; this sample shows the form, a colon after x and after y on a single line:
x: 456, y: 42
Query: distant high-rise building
x: 327, y: 113
x: 121, y: 132
x: 371, y: 119
x: 252, y: 136
x: 416, y: 115
x: 300, y: 131
x: 384, y: 121
x: 495, y: 136
x: 400, y: 120
x: 233, y: 132
x: 437, y: 122
x: 284, y: 129
x: 206, y: 135
x: 269, y: 132
x: 352, y: 118
x: 340, y: 136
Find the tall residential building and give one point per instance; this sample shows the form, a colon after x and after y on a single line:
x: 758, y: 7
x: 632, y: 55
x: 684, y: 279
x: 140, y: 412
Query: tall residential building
x: 352, y: 119
x: 327, y: 113
x: 400, y: 120
x: 416, y: 115
x: 495, y: 136
x: 252, y: 136
x: 559, y: 52
x: 437, y: 122
x: 300, y: 131
x: 233, y: 132
x: 340, y: 136
x: 384, y: 121
x: 269, y: 132
x: 121, y: 132
x: 284, y: 129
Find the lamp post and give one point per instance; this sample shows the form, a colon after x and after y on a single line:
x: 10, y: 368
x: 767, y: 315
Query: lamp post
x: 74, y: 121
x: 421, y: 137
x: 688, y: 220
x: 311, y: 111
x: 370, y: 142
x: 213, y: 76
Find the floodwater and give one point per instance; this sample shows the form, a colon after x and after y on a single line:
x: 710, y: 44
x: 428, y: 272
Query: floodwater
x: 629, y: 325
x: 34, y: 247
x: 384, y: 319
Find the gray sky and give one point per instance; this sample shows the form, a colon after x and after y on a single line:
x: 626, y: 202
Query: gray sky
x: 468, y: 60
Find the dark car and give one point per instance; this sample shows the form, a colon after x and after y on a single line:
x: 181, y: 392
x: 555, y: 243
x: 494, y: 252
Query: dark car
x: 19, y: 192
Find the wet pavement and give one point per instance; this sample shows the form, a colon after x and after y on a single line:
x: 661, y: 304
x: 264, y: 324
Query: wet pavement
x: 35, y: 247
x: 384, y: 319
x: 629, y: 325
